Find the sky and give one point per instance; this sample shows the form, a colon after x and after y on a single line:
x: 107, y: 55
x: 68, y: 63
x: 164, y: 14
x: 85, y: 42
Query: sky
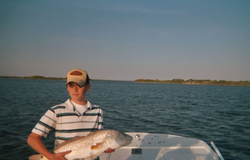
x: 126, y: 39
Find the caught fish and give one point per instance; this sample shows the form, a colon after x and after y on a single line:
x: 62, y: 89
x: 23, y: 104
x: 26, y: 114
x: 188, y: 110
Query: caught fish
x: 90, y: 146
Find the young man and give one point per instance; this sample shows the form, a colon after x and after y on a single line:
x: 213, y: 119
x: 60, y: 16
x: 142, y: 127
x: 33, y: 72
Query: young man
x: 75, y: 117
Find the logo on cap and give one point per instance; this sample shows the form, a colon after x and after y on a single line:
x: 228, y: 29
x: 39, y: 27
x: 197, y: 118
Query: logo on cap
x: 76, y: 73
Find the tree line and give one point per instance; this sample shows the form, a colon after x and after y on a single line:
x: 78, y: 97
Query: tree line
x: 196, y: 81
x: 173, y: 81
x: 34, y: 77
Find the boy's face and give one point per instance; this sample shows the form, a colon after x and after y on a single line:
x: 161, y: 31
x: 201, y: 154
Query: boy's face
x: 77, y: 93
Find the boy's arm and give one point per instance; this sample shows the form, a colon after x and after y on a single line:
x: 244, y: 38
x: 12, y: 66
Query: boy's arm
x: 35, y: 141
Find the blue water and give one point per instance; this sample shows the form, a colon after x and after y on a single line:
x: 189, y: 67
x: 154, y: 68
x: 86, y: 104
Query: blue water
x: 211, y: 113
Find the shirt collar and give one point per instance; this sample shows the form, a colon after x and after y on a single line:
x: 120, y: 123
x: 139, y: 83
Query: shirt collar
x: 70, y: 106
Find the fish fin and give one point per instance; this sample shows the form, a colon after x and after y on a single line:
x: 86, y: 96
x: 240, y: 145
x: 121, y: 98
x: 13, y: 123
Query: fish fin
x: 97, y: 146
x: 68, y: 141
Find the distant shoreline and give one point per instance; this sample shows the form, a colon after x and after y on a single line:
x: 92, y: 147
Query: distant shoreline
x: 196, y: 82
x: 33, y: 77
x: 173, y: 81
x: 49, y: 78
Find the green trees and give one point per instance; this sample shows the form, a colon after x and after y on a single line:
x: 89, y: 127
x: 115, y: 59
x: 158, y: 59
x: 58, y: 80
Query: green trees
x: 196, y: 81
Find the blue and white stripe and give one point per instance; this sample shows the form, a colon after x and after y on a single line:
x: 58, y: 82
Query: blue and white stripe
x: 68, y: 123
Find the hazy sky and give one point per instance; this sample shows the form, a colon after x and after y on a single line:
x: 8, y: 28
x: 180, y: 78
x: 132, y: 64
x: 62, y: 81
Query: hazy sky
x: 126, y: 39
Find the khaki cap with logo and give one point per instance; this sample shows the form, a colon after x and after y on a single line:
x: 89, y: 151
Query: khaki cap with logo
x: 78, y: 76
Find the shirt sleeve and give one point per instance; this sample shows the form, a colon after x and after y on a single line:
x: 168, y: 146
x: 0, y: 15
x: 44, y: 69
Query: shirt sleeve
x: 46, y: 123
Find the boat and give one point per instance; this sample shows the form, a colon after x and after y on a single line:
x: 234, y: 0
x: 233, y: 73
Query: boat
x: 149, y: 146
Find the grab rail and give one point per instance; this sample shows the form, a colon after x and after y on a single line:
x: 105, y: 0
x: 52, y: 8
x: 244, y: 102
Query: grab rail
x: 217, y: 151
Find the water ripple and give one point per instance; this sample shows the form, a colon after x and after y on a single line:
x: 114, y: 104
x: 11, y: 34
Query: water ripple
x: 211, y: 113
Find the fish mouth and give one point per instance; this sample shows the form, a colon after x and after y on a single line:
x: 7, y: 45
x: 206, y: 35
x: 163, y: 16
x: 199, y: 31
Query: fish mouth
x: 128, y: 141
x: 125, y: 143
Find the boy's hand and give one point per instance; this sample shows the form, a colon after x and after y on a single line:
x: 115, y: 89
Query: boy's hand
x: 109, y: 150
x: 60, y: 156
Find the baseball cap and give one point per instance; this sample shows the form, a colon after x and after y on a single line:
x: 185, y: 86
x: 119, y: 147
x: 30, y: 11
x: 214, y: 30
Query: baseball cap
x: 78, y: 76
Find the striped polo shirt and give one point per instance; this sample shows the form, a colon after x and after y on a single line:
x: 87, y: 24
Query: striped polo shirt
x: 67, y: 122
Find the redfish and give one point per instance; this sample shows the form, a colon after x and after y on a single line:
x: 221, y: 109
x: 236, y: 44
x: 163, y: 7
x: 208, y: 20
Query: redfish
x: 90, y: 146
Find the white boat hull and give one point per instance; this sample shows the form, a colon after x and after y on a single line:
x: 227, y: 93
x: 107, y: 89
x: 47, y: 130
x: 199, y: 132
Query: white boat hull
x: 147, y: 146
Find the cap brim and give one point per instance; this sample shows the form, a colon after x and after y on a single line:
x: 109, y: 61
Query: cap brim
x: 78, y: 81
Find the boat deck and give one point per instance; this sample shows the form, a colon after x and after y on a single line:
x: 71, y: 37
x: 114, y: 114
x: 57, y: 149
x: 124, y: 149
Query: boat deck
x: 147, y: 146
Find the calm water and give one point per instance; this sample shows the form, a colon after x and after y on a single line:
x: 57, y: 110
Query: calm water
x: 211, y: 113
